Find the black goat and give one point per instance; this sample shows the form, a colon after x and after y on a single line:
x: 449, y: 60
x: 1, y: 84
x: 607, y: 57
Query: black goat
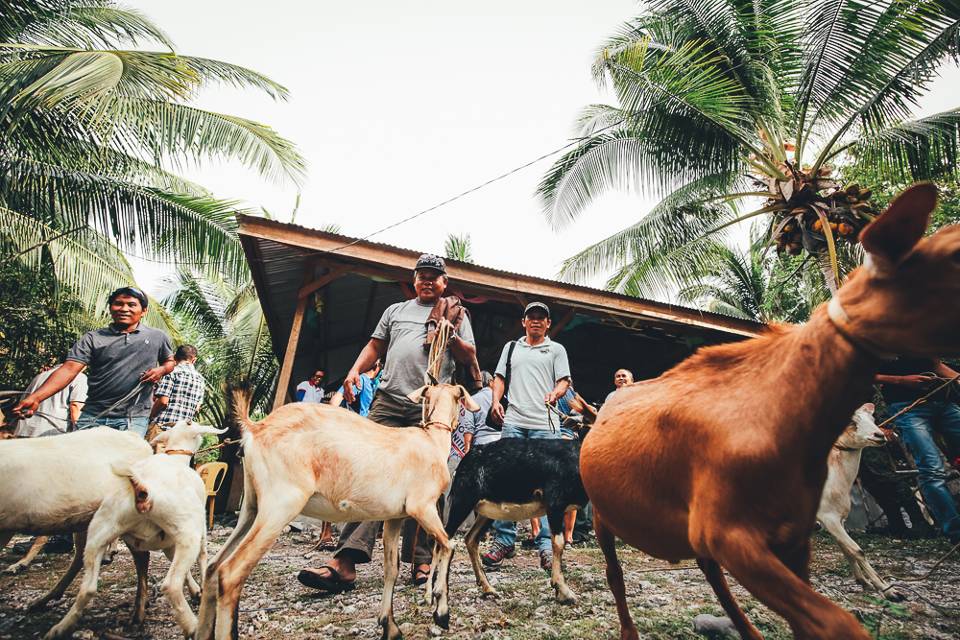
x: 511, y: 479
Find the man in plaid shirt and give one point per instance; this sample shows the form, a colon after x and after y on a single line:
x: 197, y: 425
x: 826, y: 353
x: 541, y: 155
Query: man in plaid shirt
x: 179, y: 393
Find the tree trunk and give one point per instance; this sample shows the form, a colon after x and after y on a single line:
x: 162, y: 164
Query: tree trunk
x: 826, y: 269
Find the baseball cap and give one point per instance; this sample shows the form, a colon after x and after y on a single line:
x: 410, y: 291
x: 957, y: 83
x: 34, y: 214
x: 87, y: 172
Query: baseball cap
x: 430, y: 261
x: 536, y: 305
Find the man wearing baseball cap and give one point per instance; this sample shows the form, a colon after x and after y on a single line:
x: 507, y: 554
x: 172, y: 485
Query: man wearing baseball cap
x: 532, y: 370
x: 399, y: 340
x: 124, y: 360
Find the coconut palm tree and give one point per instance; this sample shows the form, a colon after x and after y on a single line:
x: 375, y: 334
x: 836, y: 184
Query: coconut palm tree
x: 223, y: 319
x: 755, y: 284
x: 729, y: 110
x: 93, y: 135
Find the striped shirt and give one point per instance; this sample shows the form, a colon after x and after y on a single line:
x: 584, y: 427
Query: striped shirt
x: 184, y: 389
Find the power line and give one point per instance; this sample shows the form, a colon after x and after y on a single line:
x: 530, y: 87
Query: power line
x: 422, y: 212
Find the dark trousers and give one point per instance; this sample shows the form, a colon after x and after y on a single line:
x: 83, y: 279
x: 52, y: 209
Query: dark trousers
x: 357, y: 539
x: 891, y: 491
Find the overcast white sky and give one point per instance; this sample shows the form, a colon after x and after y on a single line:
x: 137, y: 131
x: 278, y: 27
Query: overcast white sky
x: 398, y: 105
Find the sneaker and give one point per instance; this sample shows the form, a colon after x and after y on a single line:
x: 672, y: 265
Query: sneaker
x: 546, y: 561
x: 498, y: 553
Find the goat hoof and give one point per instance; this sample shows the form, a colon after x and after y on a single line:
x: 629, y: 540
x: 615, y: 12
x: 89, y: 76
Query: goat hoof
x: 893, y: 594
x: 491, y: 594
x: 14, y: 569
x: 442, y: 621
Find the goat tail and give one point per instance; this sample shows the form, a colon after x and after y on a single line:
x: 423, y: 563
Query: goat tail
x: 141, y: 494
x: 242, y: 396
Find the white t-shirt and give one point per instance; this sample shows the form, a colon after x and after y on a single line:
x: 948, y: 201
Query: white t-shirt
x: 53, y: 412
x: 310, y: 392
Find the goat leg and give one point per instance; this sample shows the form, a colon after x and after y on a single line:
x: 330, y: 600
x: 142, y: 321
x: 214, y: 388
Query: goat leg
x: 608, y: 544
x: 563, y: 593
x: 714, y: 574
x: 863, y: 571
x: 79, y: 544
x: 141, y: 560
x: 391, y: 569
x: 472, y: 542
x: 25, y: 561
x: 184, y: 555
x: 745, y: 554
x: 92, y: 556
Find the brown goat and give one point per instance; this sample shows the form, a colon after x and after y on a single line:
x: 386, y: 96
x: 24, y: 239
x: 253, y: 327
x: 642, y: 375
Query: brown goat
x: 723, y: 458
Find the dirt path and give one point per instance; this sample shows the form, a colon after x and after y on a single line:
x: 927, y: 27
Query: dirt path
x: 663, y: 603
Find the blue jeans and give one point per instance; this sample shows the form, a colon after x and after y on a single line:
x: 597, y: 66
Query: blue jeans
x: 135, y: 424
x: 916, y: 428
x: 505, y: 531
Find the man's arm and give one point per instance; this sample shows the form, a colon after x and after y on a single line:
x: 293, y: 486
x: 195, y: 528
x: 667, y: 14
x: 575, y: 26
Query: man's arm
x: 57, y: 381
x: 371, y: 352
x: 945, y: 371
x: 154, y: 375
x: 558, y: 391
x: 159, y: 404
x: 73, y: 413
x: 496, y: 409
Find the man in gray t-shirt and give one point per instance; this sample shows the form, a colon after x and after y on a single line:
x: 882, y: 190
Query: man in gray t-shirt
x: 123, y: 362
x: 539, y: 374
x: 398, y: 340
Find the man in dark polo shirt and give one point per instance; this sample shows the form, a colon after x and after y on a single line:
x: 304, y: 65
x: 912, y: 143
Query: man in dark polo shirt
x: 123, y: 360
x: 905, y: 380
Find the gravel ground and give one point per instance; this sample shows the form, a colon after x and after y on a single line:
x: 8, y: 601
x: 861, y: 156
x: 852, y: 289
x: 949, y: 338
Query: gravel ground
x: 663, y: 599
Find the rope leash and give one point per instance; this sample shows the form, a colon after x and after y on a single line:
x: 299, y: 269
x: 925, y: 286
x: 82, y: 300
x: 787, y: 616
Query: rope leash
x: 438, y: 348
x: 918, y: 401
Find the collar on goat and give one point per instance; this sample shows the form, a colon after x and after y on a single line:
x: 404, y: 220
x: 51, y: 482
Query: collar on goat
x: 841, y: 321
x: 426, y: 424
x: 179, y: 452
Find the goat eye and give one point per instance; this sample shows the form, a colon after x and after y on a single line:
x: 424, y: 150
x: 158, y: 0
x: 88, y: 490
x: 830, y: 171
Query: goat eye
x: 956, y: 256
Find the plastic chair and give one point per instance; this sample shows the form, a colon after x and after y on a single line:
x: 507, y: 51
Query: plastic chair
x: 212, y: 474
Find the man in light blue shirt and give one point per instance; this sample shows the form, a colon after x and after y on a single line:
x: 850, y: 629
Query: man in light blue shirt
x: 532, y: 372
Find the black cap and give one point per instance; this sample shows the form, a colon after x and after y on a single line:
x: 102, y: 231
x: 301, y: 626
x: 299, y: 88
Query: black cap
x: 430, y: 261
x: 536, y: 305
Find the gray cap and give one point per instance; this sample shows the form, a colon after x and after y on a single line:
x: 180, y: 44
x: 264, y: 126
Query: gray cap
x: 536, y: 305
x: 430, y: 261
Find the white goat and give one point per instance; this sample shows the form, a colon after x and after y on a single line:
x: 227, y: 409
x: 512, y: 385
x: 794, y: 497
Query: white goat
x: 160, y: 508
x: 335, y: 466
x: 842, y: 467
x: 59, y: 485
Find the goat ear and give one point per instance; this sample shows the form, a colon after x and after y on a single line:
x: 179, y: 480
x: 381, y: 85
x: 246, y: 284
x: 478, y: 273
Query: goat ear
x: 466, y: 400
x: 890, y: 237
x: 869, y: 407
x: 163, y: 436
x: 417, y: 396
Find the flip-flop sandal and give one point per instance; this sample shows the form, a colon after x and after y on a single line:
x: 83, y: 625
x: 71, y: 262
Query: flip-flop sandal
x: 420, y: 577
x: 334, y: 583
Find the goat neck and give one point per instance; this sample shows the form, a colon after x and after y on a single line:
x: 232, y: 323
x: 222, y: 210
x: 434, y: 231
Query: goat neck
x: 811, y: 354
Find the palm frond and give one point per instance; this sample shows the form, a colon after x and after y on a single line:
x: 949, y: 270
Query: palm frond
x: 921, y: 149
x: 86, y: 24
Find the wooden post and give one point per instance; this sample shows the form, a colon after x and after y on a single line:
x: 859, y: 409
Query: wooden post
x: 286, y: 369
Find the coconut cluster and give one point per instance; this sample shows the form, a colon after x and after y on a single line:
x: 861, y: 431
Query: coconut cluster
x: 807, y: 210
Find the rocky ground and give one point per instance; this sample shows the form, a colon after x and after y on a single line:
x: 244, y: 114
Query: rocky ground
x: 664, y: 599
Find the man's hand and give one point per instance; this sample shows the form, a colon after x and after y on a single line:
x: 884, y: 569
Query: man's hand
x: 26, y: 407
x: 552, y: 397
x: 497, y: 412
x: 917, y: 381
x: 352, y: 380
x: 153, y: 375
